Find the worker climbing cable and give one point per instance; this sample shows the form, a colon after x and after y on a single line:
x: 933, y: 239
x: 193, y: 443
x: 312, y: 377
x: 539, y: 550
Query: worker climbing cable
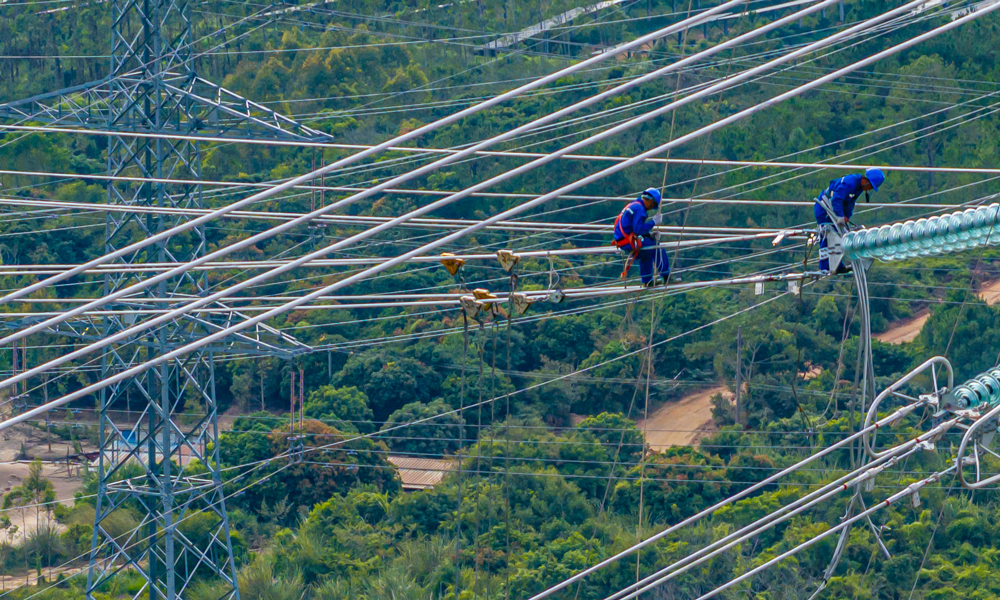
x: 833, y: 210
x: 635, y: 237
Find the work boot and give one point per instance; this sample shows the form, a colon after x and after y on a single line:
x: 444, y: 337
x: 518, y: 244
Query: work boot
x: 662, y: 281
x: 843, y: 269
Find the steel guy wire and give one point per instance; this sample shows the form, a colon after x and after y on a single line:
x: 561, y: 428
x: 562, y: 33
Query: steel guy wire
x: 511, y: 55
x: 573, y: 157
x: 897, y: 141
x: 28, y: 414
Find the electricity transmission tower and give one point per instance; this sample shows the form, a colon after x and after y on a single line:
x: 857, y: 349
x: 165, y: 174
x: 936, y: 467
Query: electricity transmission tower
x: 154, y: 91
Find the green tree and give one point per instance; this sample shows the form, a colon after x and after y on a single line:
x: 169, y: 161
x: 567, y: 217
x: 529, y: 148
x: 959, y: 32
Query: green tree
x: 439, y: 435
x: 389, y: 383
x: 331, y: 463
x: 678, y: 483
x: 618, y: 434
x: 347, y: 404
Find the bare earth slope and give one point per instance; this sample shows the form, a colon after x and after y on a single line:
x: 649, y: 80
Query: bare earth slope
x: 904, y: 331
x: 681, y: 423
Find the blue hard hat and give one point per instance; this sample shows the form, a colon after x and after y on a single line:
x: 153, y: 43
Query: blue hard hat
x: 876, y: 177
x: 653, y: 194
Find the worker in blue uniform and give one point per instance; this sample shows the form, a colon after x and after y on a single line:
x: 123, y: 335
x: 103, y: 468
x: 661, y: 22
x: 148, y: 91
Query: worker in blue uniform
x: 834, y: 208
x: 634, y: 235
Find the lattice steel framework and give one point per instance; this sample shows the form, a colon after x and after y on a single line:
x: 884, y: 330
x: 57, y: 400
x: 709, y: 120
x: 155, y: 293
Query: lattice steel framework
x: 153, y: 88
x: 150, y: 43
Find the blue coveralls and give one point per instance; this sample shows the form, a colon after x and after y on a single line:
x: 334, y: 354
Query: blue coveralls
x: 840, y: 198
x: 633, y: 220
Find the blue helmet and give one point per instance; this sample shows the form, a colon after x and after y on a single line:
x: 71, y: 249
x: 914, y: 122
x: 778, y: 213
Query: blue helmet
x: 876, y: 177
x: 652, y: 194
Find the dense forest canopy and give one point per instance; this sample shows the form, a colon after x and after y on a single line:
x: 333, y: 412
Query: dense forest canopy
x: 552, y: 473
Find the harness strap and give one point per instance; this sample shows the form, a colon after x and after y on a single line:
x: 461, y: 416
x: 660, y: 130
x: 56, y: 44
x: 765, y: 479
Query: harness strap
x: 630, y: 239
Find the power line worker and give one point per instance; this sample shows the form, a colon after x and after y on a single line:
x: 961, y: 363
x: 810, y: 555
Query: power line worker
x: 634, y: 235
x: 834, y: 208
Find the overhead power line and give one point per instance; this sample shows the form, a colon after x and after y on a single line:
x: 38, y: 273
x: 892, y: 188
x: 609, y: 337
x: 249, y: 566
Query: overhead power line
x: 493, y: 153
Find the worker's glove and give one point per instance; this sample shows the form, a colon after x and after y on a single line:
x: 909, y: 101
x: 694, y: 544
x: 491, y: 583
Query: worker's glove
x: 657, y: 218
x: 840, y: 222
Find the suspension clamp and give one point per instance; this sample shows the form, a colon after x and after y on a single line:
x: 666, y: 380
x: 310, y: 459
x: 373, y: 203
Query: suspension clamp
x: 474, y: 306
x: 508, y: 260
x: 452, y: 264
x: 519, y: 303
x: 470, y: 307
x: 491, y: 307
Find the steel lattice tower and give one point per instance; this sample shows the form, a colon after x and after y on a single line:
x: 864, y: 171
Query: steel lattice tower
x: 150, y: 58
x: 153, y: 89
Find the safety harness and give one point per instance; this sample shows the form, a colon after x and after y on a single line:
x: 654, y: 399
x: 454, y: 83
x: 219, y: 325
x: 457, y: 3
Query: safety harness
x: 630, y: 239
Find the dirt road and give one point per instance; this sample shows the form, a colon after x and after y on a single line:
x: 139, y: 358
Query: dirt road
x: 681, y: 423
x: 906, y: 330
x: 12, y: 474
x: 909, y: 329
x: 990, y: 292
x: 31, y: 576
